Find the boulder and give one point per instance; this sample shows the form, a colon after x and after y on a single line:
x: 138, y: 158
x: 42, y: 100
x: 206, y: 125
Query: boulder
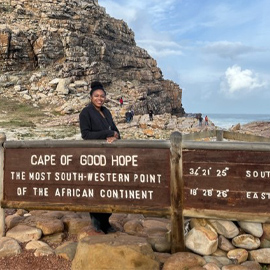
x: 266, y: 231
x: 183, y: 261
x: 246, y: 241
x: 261, y: 255
x: 34, y: 244
x: 43, y: 251
x: 252, y: 265
x: 13, y: 220
x: 50, y: 226
x: 67, y: 250
x: 219, y: 261
x: 238, y: 255
x: 202, y: 241
x: 235, y: 267
x: 225, y: 227
x: 9, y: 247
x: 211, y: 266
x: 114, y: 252
x: 253, y: 228
x: 24, y: 233
x: 224, y: 243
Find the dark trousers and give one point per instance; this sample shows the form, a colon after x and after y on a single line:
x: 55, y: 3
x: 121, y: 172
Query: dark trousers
x: 103, y: 219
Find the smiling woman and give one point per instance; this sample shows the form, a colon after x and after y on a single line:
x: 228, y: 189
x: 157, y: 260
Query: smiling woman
x: 96, y: 123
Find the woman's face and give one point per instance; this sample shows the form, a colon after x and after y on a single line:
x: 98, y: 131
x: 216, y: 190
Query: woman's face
x: 98, y: 98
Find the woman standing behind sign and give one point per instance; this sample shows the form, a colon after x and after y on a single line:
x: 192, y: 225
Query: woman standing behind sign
x: 96, y: 122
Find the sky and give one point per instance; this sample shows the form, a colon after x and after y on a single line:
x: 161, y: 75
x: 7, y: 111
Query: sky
x: 218, y: 52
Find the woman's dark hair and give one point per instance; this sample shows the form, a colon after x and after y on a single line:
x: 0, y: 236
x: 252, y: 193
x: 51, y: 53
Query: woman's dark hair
x: 96, y: 86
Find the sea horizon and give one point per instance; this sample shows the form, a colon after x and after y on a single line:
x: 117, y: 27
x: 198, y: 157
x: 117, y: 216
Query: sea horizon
x: 227, y: 120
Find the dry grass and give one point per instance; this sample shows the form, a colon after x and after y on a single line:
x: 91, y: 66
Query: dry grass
x: 15, y: 114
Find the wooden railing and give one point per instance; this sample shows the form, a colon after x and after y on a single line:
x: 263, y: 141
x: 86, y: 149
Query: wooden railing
x: 177, y: 177
x: 223, y: 134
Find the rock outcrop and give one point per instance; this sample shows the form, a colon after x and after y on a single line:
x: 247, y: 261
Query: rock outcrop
x: 258, y: 128
x: 51, y: 50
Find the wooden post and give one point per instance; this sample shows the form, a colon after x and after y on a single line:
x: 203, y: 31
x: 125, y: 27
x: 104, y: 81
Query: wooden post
x: 2, y: 212
x: 177, y: 190
x: 219, y: 135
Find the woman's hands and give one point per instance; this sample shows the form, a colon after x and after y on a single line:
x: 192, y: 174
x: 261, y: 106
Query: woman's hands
x: 114, y: 138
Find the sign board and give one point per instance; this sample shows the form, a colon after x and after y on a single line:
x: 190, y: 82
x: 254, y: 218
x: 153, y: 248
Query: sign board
x: 125, y: 176
x: 227, y: 181
x: 128, y: 177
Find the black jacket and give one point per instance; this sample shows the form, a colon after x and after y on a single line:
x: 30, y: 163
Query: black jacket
x: 95, y: 127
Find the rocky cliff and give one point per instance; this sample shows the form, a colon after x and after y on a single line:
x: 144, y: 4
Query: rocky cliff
x: 51, y: 50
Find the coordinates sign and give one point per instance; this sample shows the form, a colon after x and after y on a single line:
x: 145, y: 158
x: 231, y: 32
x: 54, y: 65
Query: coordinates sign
x: 227, y: 180
x: 132, y: 176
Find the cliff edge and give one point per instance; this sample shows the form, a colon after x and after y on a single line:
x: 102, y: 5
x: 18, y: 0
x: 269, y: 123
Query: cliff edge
x: 51, y: 50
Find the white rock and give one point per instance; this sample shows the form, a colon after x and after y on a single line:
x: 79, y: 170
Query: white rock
x: 54, y: 82
x: 261, y: 255
x: 202, y: 241
x: 34, y: 244
x: 225, y: 227
x: 251, y: 227
x: 24, y: 233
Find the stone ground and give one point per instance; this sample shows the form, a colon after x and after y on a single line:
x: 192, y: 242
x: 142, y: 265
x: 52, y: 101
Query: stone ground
x: 28, y: 261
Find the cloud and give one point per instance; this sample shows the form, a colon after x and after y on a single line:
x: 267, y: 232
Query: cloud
x: 226, y: 49
x: 145, y: 17
x: 132, y: 10
x: 157, y: 48
x: 119, y: 11
x: 241, y: 81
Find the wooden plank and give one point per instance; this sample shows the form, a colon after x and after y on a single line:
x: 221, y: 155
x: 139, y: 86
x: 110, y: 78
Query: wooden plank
x: 148, y: 210
x: 232, y: 215
x: 2, y: 212
x: 199, y: 135
x: 229, y: 156
x: 156, y: 144
x: 177, y: 218
x: 239, y: 146
x: 244, y: 137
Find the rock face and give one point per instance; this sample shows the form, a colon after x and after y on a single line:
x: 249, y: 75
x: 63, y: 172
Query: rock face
x: 75, y: 40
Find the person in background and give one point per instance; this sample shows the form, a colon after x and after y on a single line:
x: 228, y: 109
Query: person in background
x: 206, y: 120
x: 96, y: 123
x: 128, y: 116
x: 132, y: 114
x: 150, y: 115
x: 200, y: 120
x: 121, y: 101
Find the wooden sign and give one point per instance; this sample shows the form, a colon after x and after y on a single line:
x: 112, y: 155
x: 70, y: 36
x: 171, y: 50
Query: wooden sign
x: 126, y: 176
x: 220, y: 182
x: 120, y: 178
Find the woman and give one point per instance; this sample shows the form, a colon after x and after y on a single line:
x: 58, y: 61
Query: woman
x: 96, y: 122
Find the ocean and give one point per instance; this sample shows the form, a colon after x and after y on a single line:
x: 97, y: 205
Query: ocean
x: 226, y: 121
